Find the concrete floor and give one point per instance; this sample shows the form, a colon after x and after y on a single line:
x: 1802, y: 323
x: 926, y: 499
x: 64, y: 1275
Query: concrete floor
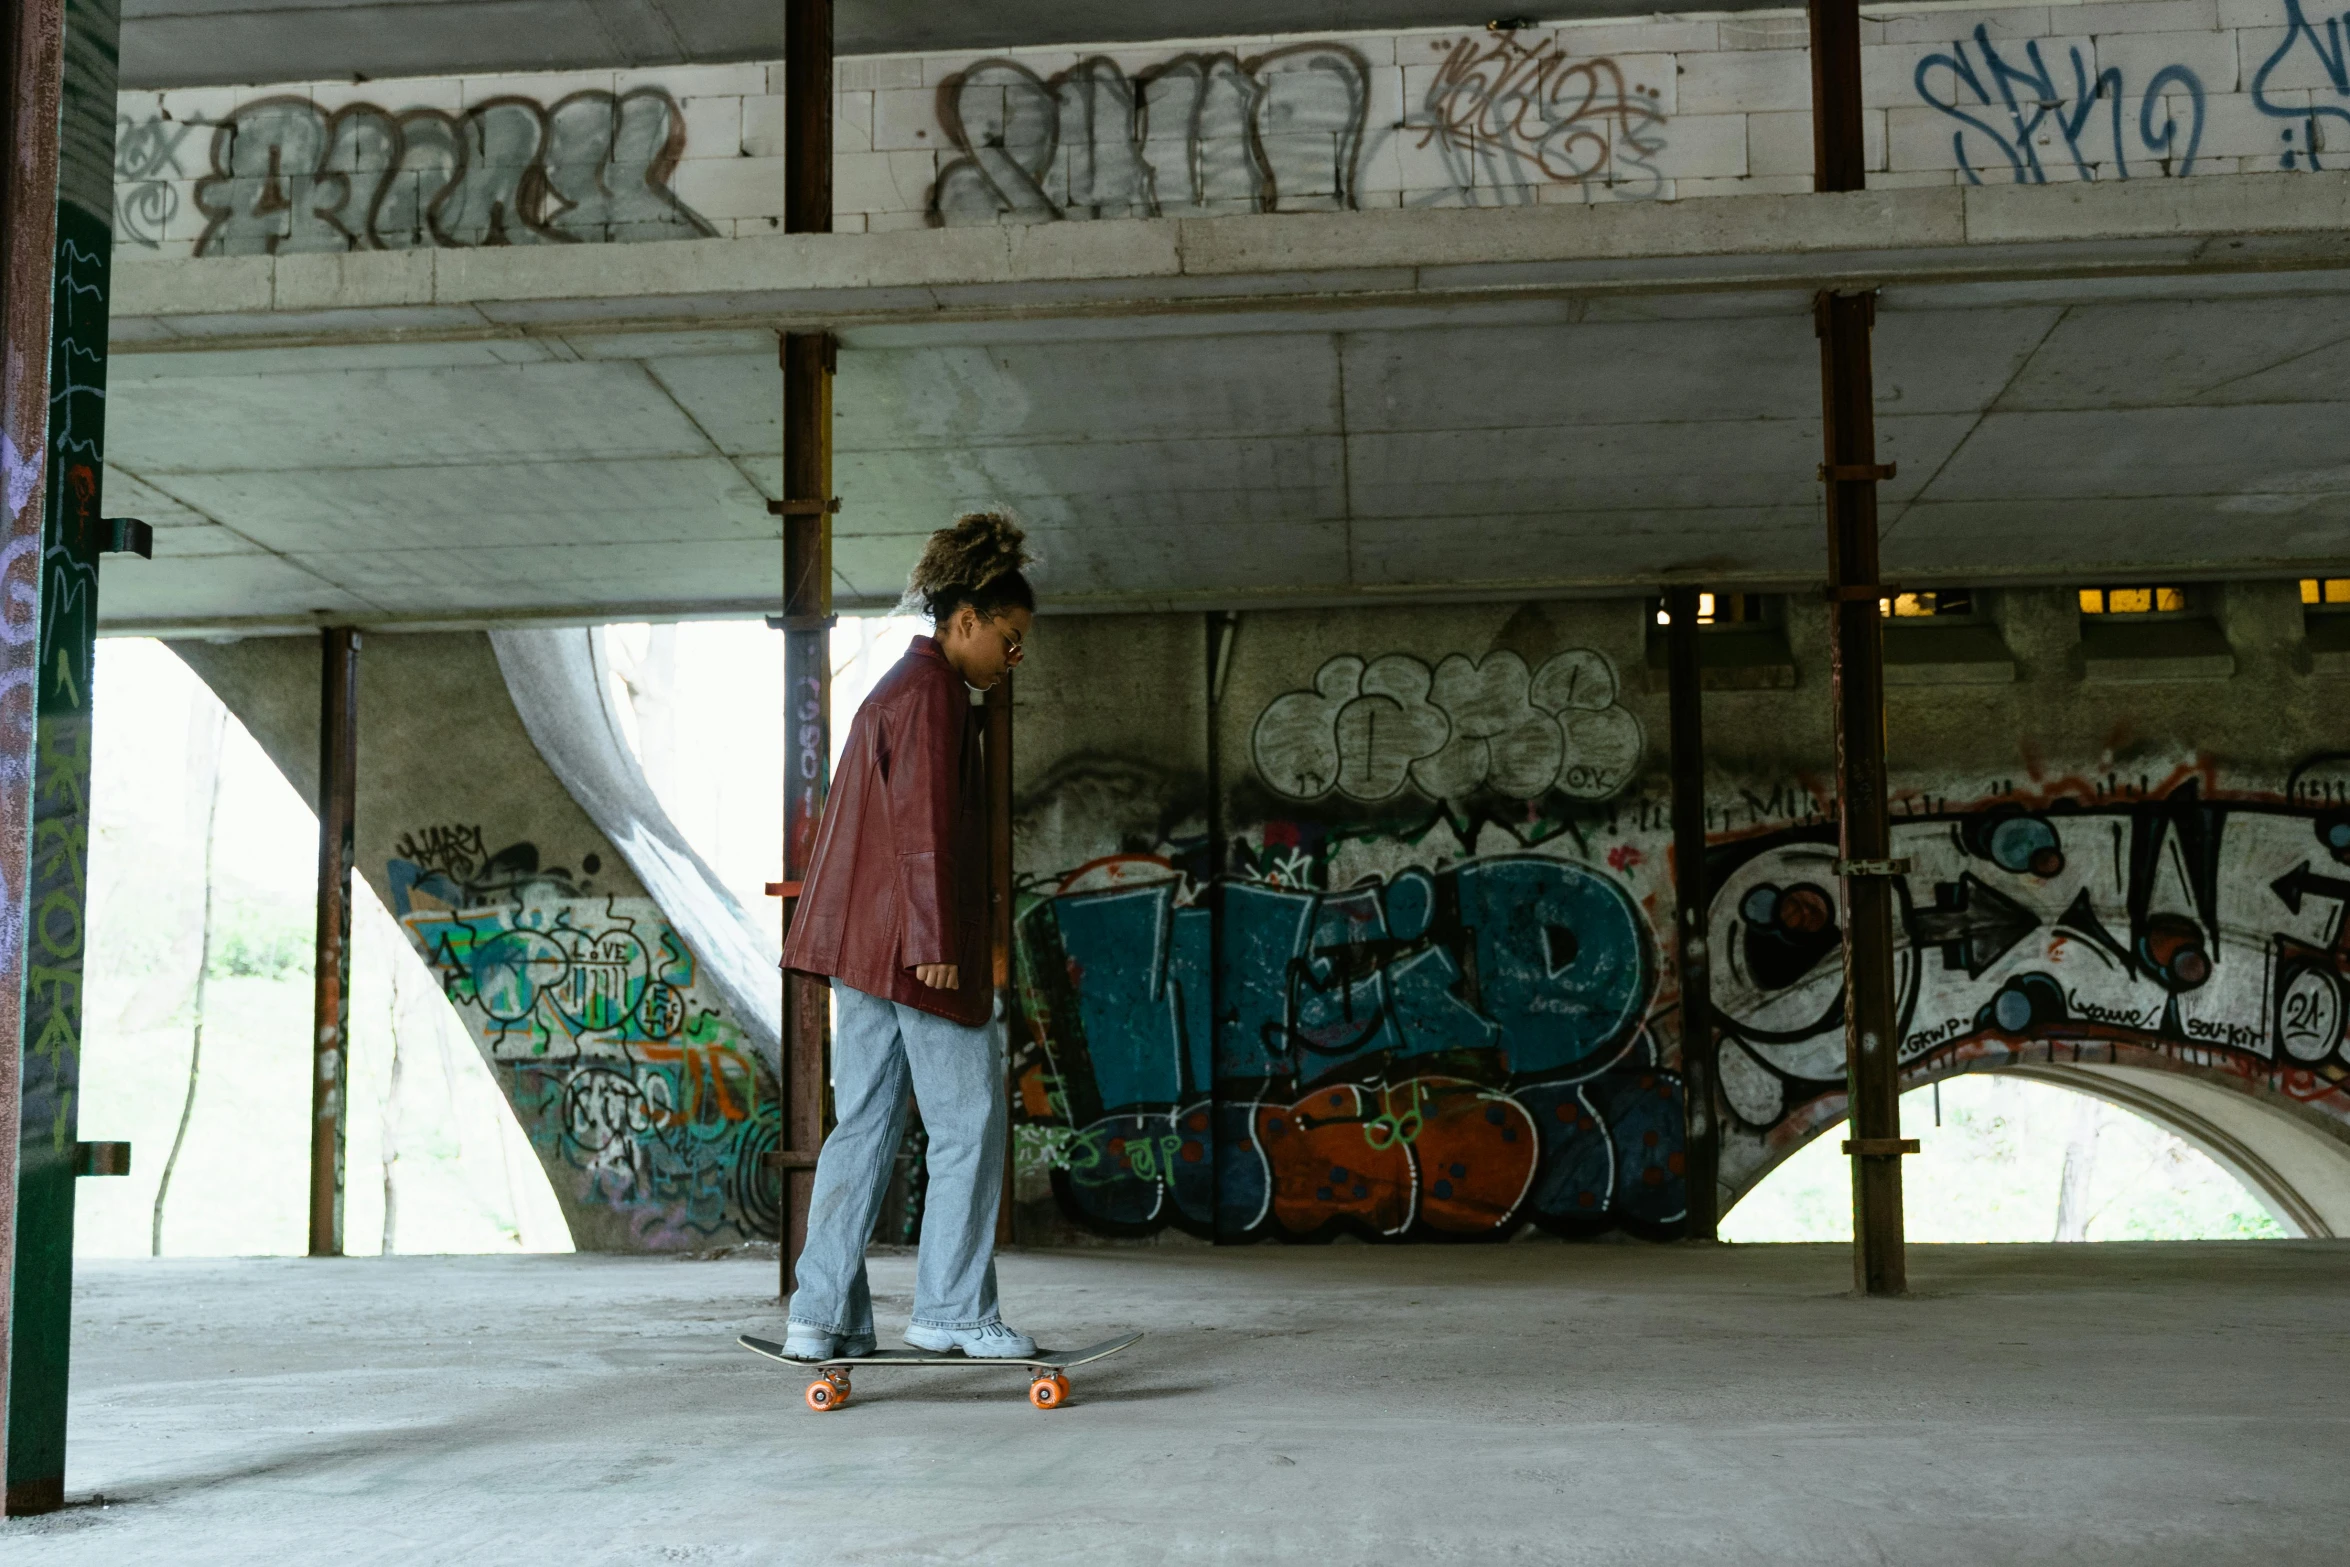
x: 1613, y: 1403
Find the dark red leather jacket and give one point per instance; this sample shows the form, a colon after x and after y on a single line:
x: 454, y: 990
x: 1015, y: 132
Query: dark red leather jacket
x: 899, y: 874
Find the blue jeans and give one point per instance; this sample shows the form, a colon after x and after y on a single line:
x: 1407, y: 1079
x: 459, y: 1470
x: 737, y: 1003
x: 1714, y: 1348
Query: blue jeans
x: 879, y: 1049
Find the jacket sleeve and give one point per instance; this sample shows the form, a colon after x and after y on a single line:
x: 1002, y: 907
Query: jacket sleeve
x: 924, y: 771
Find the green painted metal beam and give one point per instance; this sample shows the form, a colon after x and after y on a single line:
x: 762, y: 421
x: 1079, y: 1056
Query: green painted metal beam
x: 74, y: 534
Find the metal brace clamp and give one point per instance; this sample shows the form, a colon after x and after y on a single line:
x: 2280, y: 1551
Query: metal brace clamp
x: 786, y: 1159
x: 1853, y: 592
x: 1880, y: 1147
x: 802, y: 622
x: 101, y: 1158
x: 129, y: 536
x: 1871, y: 868
x: 803, y: 508
x: 1863, y: 472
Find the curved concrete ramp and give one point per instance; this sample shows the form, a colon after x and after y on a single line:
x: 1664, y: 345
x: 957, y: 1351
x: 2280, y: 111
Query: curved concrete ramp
x: 557, y: 681
x: 600, y: 972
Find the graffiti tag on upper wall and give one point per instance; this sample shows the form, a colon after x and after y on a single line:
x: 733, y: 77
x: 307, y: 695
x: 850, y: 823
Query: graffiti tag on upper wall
x: 1512, y: 117
x: 1195, y: 135
x: 1211, y: 133
x: 636, y: 1091
x: 1366, y: 731
x: 2012, y: 101
x: 288, y: 177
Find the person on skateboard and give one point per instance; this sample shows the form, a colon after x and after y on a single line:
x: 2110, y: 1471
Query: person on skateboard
x: 894, y: 911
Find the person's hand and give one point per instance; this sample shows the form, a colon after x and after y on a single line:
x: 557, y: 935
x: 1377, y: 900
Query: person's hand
x: 938, y: 976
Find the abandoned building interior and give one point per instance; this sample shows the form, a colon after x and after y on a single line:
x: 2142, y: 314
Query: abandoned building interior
x: 1648, y: 624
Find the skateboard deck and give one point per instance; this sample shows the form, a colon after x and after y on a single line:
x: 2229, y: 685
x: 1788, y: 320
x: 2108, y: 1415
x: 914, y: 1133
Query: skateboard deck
x: 1048, y: 1382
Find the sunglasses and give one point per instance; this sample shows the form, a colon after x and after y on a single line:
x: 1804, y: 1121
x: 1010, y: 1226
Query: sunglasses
x: 1014, y: 649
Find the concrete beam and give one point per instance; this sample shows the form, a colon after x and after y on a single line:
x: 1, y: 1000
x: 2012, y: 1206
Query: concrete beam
x: 1334, y: 261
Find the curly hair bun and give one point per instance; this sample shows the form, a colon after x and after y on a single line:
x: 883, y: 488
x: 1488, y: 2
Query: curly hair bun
x: 978, y: 561
x: 980, y: 547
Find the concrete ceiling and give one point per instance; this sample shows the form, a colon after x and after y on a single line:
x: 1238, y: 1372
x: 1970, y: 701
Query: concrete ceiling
x: 195, y: 43
x: 1246, y: 411
x: 1566, y: 445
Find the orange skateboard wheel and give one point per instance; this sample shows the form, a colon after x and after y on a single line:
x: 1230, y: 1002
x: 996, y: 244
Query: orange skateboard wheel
x: 828, y: 1392
x: 1049, y: 1392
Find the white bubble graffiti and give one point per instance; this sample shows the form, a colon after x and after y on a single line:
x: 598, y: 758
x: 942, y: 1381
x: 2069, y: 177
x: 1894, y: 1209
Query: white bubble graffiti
x: 1366, y: 730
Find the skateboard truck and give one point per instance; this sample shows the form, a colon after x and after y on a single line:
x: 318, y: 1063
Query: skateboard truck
x: 829, y: 1391
x: 1046, y: 1390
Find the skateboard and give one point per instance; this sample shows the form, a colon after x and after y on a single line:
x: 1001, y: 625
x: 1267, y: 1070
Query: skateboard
x: 1048, y: 1385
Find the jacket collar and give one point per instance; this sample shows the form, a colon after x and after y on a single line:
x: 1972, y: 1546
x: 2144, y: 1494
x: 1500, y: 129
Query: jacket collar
x: 926, y: 647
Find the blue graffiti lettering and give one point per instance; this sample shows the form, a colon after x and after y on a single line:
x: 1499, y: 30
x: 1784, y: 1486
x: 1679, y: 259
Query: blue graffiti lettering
x: 2033, y: 100
x: 2301, y: 33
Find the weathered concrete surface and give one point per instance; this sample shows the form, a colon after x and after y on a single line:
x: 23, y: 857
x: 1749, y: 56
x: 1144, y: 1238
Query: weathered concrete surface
x: 1953, y: 233
x: 2140, y: 1404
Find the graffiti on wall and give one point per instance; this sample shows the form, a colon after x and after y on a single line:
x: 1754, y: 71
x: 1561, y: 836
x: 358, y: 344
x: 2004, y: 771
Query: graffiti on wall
x: 636, y: 1090
x: 146, y: 162
x: 1196, y: 135
x: 2172, y: 926
x: 1433, y: 1025
x: 1368, y: 730
x: 2307, y: 50
x: 1421, y: 995
x: 1509, y: 117
x: 2025, y: 113
x: 1204, y: 134
x: 1444, y: 1053
x: 287, y: 176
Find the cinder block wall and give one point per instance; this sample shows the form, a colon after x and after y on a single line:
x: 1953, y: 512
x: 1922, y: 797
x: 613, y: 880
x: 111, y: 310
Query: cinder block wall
x: 1602, y: 111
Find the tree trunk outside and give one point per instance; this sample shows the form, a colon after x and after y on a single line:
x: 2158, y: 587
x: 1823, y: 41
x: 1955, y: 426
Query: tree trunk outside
x: 2073, y: 1211
x: 207, y: 730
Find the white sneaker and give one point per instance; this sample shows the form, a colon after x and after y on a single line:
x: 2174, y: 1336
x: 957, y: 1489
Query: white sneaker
x: 994, y: 1341
x: 806, y: 1343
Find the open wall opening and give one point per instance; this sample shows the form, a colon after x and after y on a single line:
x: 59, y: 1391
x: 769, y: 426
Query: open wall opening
x: 436, y: 1160
x: 2005, y: 1157
x: 701, y: 705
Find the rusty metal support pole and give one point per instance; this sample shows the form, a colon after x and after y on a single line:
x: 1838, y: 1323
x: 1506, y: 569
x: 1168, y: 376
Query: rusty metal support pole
x: 1701, y: 1103
x: 34, y: 32
x: 1850, y: 471
x: 806, y: 509
x: 338, y: 790
x: 1222, y: 627
x: 807, y: 757
x: 999, y: 894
